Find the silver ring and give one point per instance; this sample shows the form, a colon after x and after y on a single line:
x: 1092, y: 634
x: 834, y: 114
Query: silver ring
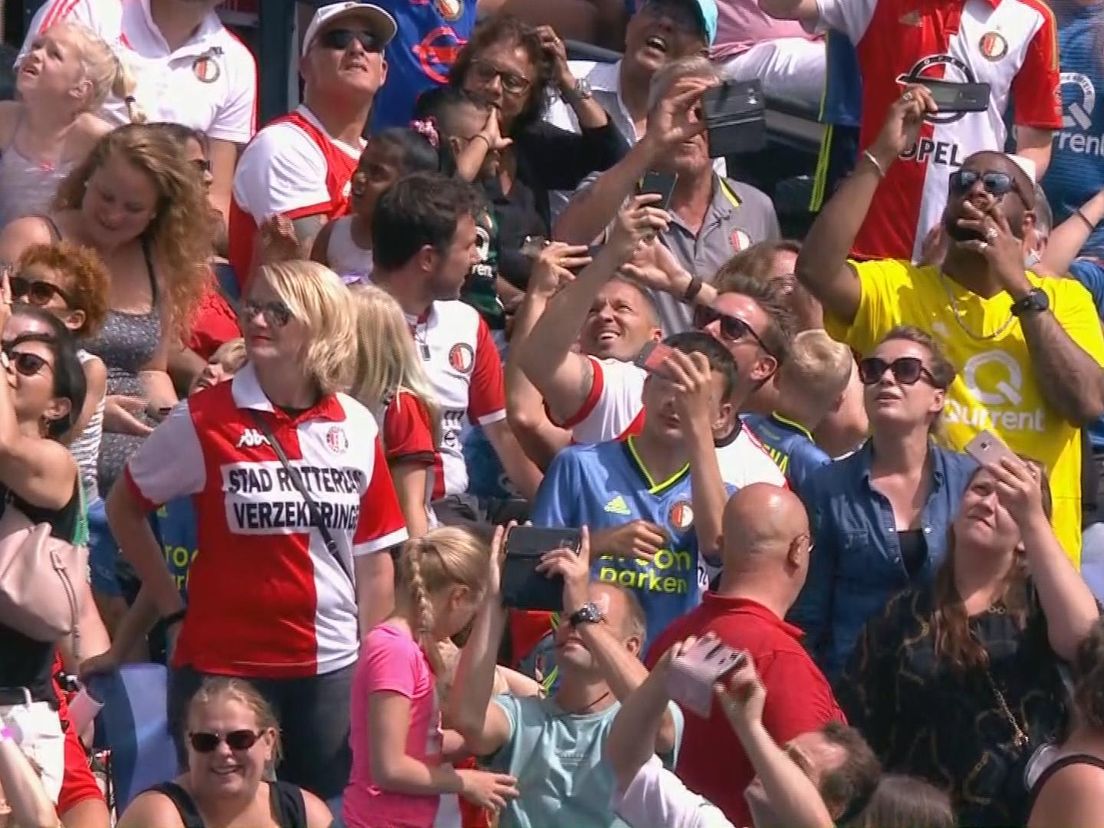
x: 983, y: 246
x: 991, y: 234
x: 906, y: 97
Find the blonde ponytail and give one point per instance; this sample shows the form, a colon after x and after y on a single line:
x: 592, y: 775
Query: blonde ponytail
x: 424, y: 618
x: 123, y: 87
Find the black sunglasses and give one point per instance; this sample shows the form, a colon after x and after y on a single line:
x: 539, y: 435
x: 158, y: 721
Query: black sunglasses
x: 276, y: 314
x: 340, y: 39
x: 24, y: 362
x: 906, y: 370
x: 733, y: 328
x: 36, y: 291
x: 235, y: 740
x: 997, y: 184
x: 512, y: 82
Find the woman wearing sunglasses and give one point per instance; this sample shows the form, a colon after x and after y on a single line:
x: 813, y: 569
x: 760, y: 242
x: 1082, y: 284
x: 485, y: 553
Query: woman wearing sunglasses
x: 233, y: 741
x: 958, y: 680
x: 295, y: 509
x: 880, y: 516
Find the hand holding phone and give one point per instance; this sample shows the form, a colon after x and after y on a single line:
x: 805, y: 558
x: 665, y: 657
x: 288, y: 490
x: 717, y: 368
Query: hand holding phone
x: 523, y: 585
x: 958, y: 97
x: 652, y: 357
x: 661, y: 184
x: 989, y: 449
x: 693, y: 673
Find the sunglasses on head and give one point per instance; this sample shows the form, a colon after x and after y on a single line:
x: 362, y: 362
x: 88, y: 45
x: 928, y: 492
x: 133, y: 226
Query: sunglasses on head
x: 202, y: 742
x: 276, y: 314
x: 485, y: 72
x: 905, y: 370
x: 24, y: 362
x: 733, y: 328
x: 37, y: 291
x: 340, y: 39
x: 997, y: 184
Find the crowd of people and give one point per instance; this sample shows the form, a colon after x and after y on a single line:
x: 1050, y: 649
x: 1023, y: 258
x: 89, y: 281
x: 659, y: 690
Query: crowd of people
x: 277, y: 396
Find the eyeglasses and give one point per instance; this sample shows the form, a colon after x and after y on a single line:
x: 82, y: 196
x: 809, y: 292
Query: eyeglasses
x: 37, y: 291
x: 733, y: 328
x: 235, y: 740
x: 515, y: 84
x: 24, y: 362
x: 276, y: 314
x: 905, y: 370
x: 997, y: 184
x: 340, y: 39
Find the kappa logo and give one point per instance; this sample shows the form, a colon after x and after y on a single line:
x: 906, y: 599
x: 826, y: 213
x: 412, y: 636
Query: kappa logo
x: 618, y: 506
x: 911, y: 18
x: 251, y: 438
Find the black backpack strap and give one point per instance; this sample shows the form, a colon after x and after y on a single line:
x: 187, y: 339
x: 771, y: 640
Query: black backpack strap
x: 287, y: 805
x: 185, y: 805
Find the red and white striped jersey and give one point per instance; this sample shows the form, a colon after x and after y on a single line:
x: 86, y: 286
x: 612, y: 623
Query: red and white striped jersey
x: 265, y: 596
x: 614, y: 409
x: 465, y: 370
x: 1009, y: 44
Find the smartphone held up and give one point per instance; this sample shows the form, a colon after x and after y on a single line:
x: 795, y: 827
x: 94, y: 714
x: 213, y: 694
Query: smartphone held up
x: 523, y: 587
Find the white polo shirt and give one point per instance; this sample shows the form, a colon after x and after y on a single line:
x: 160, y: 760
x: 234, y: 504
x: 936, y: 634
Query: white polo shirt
x: 208, y: 84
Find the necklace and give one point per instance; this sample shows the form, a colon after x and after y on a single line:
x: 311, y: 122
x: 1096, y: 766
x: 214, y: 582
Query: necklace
x: 1019, y: 738
x: 590, y: 706
x: 957, y: 313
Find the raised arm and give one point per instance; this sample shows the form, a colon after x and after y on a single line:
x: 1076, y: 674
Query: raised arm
x: 1067, y: 239
x: 563, y: 377
x: 822, y: 265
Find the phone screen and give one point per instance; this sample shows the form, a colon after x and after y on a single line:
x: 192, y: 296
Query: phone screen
x: 652, y: 357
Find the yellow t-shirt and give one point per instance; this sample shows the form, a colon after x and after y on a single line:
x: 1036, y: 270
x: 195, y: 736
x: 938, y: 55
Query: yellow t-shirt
x: 995, y: 388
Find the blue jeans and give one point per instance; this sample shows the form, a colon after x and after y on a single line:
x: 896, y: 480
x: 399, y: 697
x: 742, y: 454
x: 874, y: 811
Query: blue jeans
x: 314, y: 724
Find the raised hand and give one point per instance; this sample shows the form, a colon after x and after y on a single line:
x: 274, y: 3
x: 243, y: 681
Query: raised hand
x: 637, y: 223
x: 902, y: 124
x: 553, y: 265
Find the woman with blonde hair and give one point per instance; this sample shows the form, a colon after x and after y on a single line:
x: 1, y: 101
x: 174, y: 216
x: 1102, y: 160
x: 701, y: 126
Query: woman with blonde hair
x: 391, y: 382
x: 296, y: 511
x: 399, y: 767
x: 233, y: 740
x: 140, y: 206
x: 62, y: 80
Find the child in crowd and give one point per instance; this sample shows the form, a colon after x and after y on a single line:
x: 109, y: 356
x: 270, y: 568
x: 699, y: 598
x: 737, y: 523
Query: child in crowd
x: 391, y: 382
x: 399, y: 751
x: 71, y: 283
x: 345, y: 245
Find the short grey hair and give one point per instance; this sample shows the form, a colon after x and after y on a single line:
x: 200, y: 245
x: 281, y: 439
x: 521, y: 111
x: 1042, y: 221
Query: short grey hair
x: 696, y: 66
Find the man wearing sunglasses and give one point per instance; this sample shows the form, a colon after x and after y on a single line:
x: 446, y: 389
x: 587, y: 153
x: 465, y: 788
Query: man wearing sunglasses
x: 1028, y: 349
x: 300, y: 166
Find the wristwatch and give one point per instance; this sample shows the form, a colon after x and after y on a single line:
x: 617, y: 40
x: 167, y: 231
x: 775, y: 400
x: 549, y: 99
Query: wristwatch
x: 581, y: 91
x: 1036, y: 301
x: 588, y: 613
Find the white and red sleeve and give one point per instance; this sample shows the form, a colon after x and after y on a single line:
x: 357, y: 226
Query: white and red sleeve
x: 852, y: 17
x: 613, y: 404
x: 381, y: 524
x: 282, y: 171
x: 1036, y: 99
x: 407, y: 432
x: 487, y: 392
x: 169, y: 464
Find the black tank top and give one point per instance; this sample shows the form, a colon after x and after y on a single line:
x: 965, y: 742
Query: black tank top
x: 285, y: 799
x: 1057, y: 765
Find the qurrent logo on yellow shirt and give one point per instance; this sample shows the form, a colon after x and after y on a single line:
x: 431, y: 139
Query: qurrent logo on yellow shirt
x: 994, y: 386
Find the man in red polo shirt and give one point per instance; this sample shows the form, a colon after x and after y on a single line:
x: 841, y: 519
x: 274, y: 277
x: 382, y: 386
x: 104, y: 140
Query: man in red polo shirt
x: 766, y: 558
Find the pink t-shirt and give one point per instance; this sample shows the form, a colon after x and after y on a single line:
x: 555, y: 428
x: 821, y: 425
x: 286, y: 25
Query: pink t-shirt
x: 741, y: 24
x: 391, y: 661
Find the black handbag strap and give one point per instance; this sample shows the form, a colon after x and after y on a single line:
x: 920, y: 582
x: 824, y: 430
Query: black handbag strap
x: 297, y: 481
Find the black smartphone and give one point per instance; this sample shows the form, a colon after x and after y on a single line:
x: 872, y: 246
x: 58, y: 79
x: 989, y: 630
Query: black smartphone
x: 735, y: 117
x: 660, y: 183
x: 522, y: 586
x: 958, y: 97
x: 652, y: 357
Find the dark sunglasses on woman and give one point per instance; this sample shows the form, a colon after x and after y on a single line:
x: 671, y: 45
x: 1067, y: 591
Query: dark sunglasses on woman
x: 339, y: 39
x: 997, y: 184
x: 37, y: 291
x: 733, y: 328
x: 24, y: 362
x: 202, y: 742
x: 905, y: 370
x: 276, y: 314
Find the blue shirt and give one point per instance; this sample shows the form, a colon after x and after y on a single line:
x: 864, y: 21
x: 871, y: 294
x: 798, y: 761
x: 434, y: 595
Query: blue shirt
x: 176, y: 526
x: 604, y: 486
x: 856, y: 565
x: 425, y: 46
x: 841, y: 102
x: 1076, y: 171
x: 1090, y: 273
x: 791, y: 446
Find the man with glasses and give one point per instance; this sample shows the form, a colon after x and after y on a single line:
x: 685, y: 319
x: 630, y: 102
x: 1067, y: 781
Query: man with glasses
x: 1028, y: 349
x: 300, y: 166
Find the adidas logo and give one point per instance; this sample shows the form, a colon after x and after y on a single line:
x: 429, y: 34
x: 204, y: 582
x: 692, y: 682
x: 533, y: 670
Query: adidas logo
x: 618, y: 506
x: 912, y: 18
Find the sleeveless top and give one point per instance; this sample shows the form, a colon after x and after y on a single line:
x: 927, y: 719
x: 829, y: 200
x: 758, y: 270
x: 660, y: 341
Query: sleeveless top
x: 348, y: 259
x: 86, y: 448
x: 1057, y: 765
x: 26, y: 662
x: 27, y: 187
x: 285, y: 799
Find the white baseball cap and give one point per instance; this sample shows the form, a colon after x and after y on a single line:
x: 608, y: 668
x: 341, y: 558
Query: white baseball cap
x: 379, y: 20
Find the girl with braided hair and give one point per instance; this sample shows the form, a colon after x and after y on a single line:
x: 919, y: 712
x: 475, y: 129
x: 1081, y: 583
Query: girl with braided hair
x: 400, y: 766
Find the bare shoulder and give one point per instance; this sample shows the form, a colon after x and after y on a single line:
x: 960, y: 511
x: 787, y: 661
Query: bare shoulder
x: 1073, y: 797
x: 318, y: 813
x: 151, y: 808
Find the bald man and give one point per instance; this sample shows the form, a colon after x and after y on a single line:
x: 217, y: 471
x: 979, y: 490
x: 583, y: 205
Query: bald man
x: 766, y: 550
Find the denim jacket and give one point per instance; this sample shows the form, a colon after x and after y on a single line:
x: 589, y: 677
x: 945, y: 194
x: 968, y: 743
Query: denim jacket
x: 856, y: 564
